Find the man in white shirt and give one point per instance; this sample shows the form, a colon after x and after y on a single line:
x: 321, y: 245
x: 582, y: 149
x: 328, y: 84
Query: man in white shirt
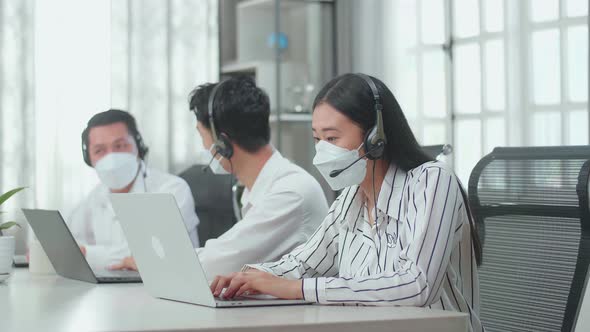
x: 282, y: 204
x: 113, y: 146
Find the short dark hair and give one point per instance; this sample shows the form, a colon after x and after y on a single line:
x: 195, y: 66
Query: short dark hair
x: 240, y: 110
x: 109, y: 117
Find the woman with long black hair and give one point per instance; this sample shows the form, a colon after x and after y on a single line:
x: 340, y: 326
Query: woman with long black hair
x: 400, y: 233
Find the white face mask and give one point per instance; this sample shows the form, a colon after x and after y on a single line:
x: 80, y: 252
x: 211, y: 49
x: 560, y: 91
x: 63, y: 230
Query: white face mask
x: 330, y: 157
x: 215, y: 164
x: 117, y: 170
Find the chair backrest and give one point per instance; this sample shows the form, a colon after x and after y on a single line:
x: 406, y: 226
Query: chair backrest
x: 583, y: 314
x: 237, y: 193
x: 213, y: 201
x: 439, y: 151
x: 531, y: 208
x: 433, y: 150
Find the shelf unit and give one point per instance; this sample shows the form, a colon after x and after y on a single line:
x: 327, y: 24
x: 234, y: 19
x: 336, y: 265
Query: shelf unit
x: 292, y: 117
x: 290, y: 71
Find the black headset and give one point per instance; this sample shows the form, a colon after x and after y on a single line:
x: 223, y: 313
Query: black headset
x: 375, y: 139
x: 142, y: 149
x: 221, y: 142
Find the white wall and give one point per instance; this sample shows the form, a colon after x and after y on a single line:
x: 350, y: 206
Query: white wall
x: 371, y: 40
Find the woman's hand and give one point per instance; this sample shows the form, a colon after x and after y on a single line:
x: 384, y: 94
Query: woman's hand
x: 255, y: 281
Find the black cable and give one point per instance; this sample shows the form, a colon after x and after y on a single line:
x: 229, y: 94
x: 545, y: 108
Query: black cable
x: 375, y: 217
x: 144, y: 177
x: 231, y: 172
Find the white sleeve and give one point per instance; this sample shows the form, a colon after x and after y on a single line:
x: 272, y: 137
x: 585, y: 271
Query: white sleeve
x: 424, y: 261
x: 269, y: 229
x: 99, y: 256
x: 316, y: 257
x: 79, y: 224
x: 186, y: 204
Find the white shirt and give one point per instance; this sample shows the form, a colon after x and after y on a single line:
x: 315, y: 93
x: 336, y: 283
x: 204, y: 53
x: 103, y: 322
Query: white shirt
x: 94, y: 224
x: 418, y: 254
x: 284, y: 207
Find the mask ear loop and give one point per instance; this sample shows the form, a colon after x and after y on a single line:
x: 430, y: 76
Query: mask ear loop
x: 219, y: 160
x: 359, y: 148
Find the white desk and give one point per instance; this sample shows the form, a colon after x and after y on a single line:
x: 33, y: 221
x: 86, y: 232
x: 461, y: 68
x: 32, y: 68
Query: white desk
x: 52, y: 303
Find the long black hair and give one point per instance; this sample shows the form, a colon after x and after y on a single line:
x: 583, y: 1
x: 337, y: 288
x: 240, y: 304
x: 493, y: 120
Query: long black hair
x: 350, y: 95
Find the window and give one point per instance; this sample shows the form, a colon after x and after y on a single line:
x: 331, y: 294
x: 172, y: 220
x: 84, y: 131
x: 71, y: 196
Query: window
x: 479, y: 80
x: 486, y: 73
x: 557, y: 102
x: 421, y: 70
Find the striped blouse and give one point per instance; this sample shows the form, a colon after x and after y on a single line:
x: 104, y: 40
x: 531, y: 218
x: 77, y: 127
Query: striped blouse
x: 417, y: 253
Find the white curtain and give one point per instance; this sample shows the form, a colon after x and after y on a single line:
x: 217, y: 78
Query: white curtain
x: 62, y: 61
x: 72, y: 82
x: 160, y: 51
x: 17, y: 116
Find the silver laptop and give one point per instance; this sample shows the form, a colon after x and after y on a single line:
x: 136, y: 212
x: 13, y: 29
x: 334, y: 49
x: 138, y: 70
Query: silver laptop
x: 64, y: 253
x: 165, y: 257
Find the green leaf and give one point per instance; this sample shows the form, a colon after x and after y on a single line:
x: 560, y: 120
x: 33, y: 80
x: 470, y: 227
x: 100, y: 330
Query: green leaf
x: 9, y: 194
x: 8, y: 225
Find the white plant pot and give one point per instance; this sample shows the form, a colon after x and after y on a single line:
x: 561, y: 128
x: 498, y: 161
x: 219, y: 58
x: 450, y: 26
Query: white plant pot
x: 6, y: 256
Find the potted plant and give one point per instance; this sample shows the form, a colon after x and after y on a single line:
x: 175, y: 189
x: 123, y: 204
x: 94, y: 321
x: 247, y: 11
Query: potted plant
x: 7, y: 242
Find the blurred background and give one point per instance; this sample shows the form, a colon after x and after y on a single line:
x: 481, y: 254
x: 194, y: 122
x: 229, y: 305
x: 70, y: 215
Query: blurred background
x: 475, y: 74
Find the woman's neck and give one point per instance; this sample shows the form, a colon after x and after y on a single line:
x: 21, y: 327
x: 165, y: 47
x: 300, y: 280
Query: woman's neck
x: 381, y: 166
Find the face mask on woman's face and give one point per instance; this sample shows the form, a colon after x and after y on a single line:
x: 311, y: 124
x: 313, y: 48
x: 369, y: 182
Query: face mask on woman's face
x: 330, y: 157
x: 117, y: 170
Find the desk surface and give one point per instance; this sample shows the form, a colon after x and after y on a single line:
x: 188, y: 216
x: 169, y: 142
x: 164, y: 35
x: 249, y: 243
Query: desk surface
x: 52, y: 303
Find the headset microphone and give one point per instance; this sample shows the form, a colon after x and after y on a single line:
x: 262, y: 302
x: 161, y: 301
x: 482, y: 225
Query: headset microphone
x: 337, y: 172
x: 205, y: 168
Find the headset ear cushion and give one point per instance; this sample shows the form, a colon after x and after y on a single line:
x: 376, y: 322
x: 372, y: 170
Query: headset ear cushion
x: 371, y: 145
x: 142, y: 149
x: 85, y: 152
x: 225, y: 149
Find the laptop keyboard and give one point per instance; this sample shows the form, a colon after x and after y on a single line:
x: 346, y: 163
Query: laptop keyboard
x: 257, y: 297
x: 223, y: 299
x: 122, y: 275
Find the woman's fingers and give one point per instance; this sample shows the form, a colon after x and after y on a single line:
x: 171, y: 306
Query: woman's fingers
x: 222, y: 282
x: 234, y: 282
x: 235, y: 285
x: 246, y: 287
x: 213, y: 285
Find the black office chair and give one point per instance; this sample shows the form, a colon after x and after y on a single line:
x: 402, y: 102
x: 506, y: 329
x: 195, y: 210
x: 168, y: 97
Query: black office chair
x: 213, y: 201
x: 237, y: 193
x: 531, y: 207
x: 582, y: 319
